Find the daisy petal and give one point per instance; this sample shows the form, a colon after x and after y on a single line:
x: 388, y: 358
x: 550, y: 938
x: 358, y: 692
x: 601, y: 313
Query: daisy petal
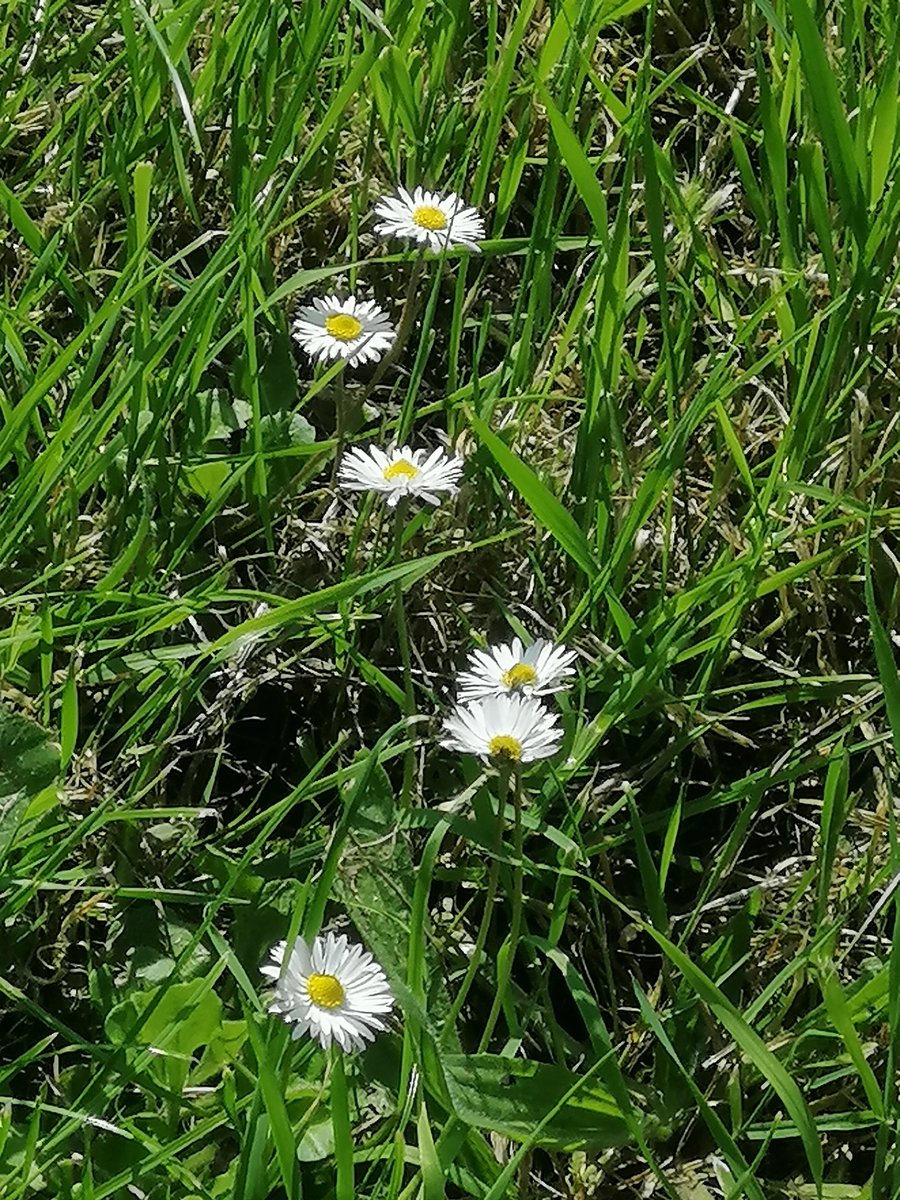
x: 398, y: 473
x: 332, y: 990
x: 439, y: 222
x: 354, y: 330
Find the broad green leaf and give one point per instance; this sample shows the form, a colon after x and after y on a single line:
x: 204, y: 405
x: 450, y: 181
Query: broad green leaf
x: 512, y: 1096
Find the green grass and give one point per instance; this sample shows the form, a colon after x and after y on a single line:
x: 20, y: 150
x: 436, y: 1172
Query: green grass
x: 672, y: 372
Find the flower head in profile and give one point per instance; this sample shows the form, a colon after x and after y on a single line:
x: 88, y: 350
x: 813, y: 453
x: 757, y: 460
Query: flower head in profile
x: 503, y: 729
x: 509, y: 668
x: 355, y: 330
x: 332, y: 990
x: 400, y: 472
x: 437, y: 221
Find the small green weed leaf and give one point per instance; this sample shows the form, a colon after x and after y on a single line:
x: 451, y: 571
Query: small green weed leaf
x: 280, y: 431
x: 376, y: 881
x: 271, y: 1094
x: 723, y: 1139
x: 834, y: 812
x: 214, y: 416
x: 187, y: 1016
x: 29, y: 763
x: 641, y: 1127
x: 559, y: 34
x: 278, y: 376
x: 326, y: 597
x: 392, y: 70
x: 29, y: 760
x: 317, y: 1142
x: 223, y: 1048
x: 512, y: 1096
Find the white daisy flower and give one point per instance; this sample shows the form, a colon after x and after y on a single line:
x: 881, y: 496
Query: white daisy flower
x: 399, y: 473
x: 505, y: 728
x: 538, y: 671
x: 438, y: 221
x: 332, y: 990
x: 355, y: 330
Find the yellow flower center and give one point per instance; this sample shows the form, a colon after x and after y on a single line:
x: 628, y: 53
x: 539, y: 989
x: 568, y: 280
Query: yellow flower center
x: 325, y: 991
x: 521, y: 675
x: 504, y: 746
x: 401, y: 467
x: 343, y: 327
x: 426, y: 216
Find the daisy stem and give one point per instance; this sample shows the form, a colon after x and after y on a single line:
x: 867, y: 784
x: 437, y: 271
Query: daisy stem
x: 507, y: 954
x: 490, y: 896
x: 340, y: 1121
x: 340, y: 422
x: 409, y: 759
x: 405, y: 327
